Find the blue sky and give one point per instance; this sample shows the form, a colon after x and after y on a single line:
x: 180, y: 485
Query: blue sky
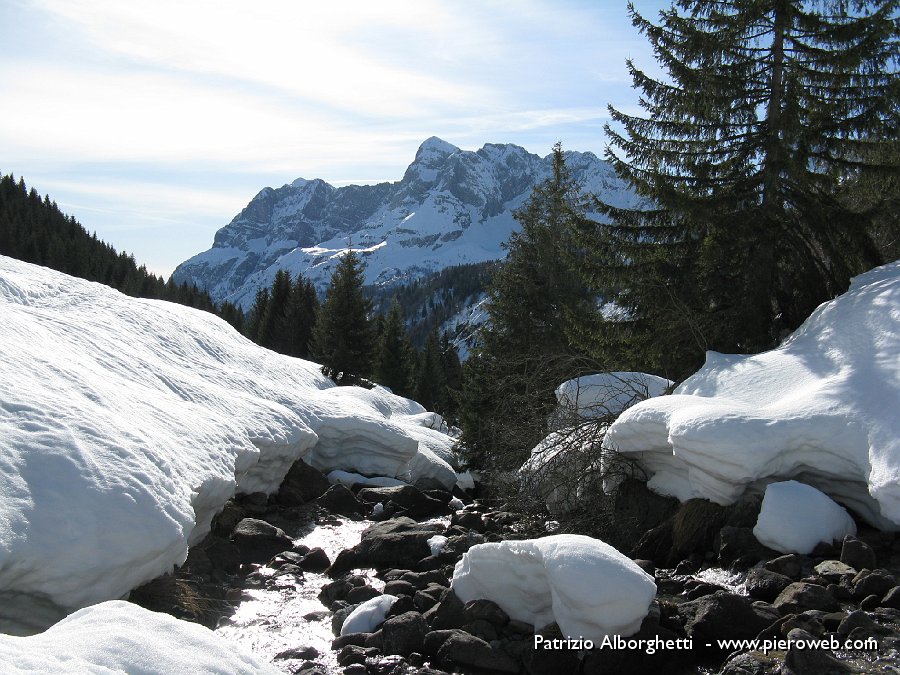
x: 154, y: 123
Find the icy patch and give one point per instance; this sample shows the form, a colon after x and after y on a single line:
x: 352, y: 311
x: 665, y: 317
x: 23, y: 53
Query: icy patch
x: 437, y: 543
x: 583, y: 584
x: 794, y: 518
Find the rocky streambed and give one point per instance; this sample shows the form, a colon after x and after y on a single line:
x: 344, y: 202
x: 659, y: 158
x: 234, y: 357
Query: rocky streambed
x: 281, y: 574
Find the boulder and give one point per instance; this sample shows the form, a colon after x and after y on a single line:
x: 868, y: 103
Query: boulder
x: 763, y: 584
x: 801, y: 596
x: 316, y: 560
x: 399, y: 542
x: 722, y: 615
x: 694, y: 526
x: 462, y: 649
x: 302, y: 484
x: 448, y: 613
x: 339, y: 499
x: 415, y: 502
x: 258, y: 541
x: 858, y: 554
x: 404, y: 634
x: 874, y: 582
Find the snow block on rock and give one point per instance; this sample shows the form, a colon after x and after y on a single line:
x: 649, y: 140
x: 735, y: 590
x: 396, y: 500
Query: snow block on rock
x: 369, y: 615
x: 821, y: 408
x: 120, y: 637
x: 796, y: 517
x: 587, y: 587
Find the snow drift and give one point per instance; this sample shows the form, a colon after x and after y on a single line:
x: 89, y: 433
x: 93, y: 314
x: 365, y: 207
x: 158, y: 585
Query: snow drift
x: 583, y: 584
x: 125, y: 424
x: 822, y: 409
x: 119, y: 637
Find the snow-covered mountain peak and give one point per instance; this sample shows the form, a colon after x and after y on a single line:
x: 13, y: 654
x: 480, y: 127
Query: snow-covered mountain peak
x: 451, y: 207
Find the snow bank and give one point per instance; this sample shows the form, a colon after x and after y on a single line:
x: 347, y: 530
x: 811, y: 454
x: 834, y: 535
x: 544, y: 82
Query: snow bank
x: 796, y: 517
x: 120, y: 637
x: 822, y: 408
x: 125, y: 424
x: 583, y: 584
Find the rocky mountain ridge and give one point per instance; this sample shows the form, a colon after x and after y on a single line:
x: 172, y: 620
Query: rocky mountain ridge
x: 451, y: 207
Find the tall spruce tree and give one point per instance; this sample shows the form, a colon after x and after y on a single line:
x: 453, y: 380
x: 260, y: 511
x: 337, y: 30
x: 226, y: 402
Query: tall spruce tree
x: 273, y: 326
x: 343, y: 339
x: 396, y: 357
x: 536, y: 299
x: 302, y: 310
x: 769, y: 109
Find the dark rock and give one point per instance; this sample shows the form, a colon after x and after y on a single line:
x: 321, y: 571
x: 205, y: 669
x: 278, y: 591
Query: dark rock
x: 791, y: 565
x: 415, y: 502
x: 655, y: 544
x: 258, y: 541
x: 753, y: 663
x: 338, y: 616
x: 834, y: 570
x: 721, y: 615
x: 739, y: 543
x: 338, y: 499
x: 315, y: 561
x: 399, y: 587
x: 387, y: 665
x: 858, y: 554
x: 462, y: 649
x: 422, y: 579
x: 374, y: 641
x: 336, y: 590
x: 646, y: 565
x: 404, y: 634
x: 468, y: 520
x: 698, y: 590
x: 298, y: 653
x: 346, y: 560
x: 448, y: 613
x: 600, y: 661
x: 892, y: 598
x: 744, y: 512
x: 362, y: 593
x: 351, y: 654
x: 302, y: 484
x: 400, y: 542
x: 485, y: 609
x: 402, y: 604
x: 358, y: 639
x: 800, y: 596
x: 856, y: 619
x: 223, y: 555
x: 539, y: 661
x: 228, y: 518
x: 424, y: 601
x: 763, y: 584
x: 805, y: 661
x: 482, y: 629
x: 869, y: 602
x: 875, y: 582
x: 694, y: 526
x: 435, y: 638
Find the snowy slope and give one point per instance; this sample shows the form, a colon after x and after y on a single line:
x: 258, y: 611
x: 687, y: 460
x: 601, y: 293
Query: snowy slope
x: 824, y: 409
x: 451, y: 207
x: 125, y: 424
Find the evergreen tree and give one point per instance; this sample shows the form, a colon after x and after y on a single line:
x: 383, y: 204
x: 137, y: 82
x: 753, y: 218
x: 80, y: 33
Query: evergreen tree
x: 393, y: 365
x: 537, y: 298
x: 452, y: 372
x: 769, y: 108
x: 343, y: 339
x: 272, y: 331
x: 430, y: 382
x: 303, y: 308
x: 257, y: 312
